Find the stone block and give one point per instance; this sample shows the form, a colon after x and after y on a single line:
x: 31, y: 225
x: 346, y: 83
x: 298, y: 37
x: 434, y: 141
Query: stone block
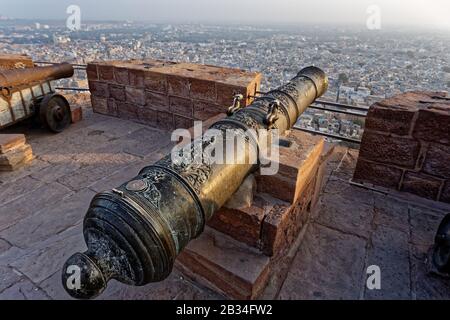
x: 155, y: 82
x: 16, y: 155
x: 157, y: 101
x: 329, y: 265
x: 178, y: 86
x: 128, y: 111
x: 23, y: 290
x: 203, y: 90
x: 298, y: 163
x: 437, y: 161
x: 147, y: 116
x: 390, y: 118
x: 43, y: 195
x: 433, y: 123
x: 408, y: 133
x: 77, y: 113
x: 162, y: 86
x: 52, y: 173
x: 105, y: 72
x: 99, y: 89
x: 181, y: 122
x: 45, y: 260
x: 24, y: 233
x: 225, y: 265
x: 181, y: 106
x: 117, y: 92
x: 137, y: 78
x: 285, y: 187
x: 389, y: 149
x: 135, y: 96
x: 13, y: 167
x: 391, y: 213
x: 165, y: 120
x: 269, y: 225
x: 16, y: 190
x: 205, y: 110
x: 284, y: 222
x: 243, y: 224
x: 113, y: 108
x: 377, y: 174
x: 226, y: 93
x: 121, y: 76
x: 389, y: 250
x: 421, y: 185
x: 99, y: 105
x: 424, y: 224
x: 8, y: 277
x: 205, y: 126
x: 96, y: 166
x: 11, y: 141
x: 92, y: 72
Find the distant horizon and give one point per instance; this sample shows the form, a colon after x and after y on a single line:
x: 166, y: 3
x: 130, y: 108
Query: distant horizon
x: 355, y: 26
x: 414, y: 14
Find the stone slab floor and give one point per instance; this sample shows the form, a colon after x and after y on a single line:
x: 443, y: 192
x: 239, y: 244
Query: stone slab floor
x: 42, y: 207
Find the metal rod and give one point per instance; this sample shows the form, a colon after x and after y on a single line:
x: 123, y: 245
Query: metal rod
x: 71, y: 89
x: 53, y: 63
x: 363, y: 115
x: 340, y: 105
x: 329, y: 135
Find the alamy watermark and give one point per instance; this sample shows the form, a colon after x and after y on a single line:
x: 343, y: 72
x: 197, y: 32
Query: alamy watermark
x: 373, y: 21
x: 73, y: 281
x: 374, y: 278
x: 227, y: 146
x: 73, y: 22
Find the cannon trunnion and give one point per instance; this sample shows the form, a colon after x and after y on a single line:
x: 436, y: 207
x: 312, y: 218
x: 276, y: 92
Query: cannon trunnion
x: 25, y: 93
x: 135, y: 232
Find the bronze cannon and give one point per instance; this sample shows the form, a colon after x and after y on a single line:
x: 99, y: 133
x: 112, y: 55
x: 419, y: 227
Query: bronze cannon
x: 25, y: 93
x: 135, y: 232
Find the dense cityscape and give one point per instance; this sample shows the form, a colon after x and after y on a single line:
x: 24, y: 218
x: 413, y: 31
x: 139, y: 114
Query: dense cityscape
x: 364, y: 66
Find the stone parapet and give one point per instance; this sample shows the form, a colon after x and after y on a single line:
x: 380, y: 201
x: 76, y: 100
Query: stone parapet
x: 167, y: 95
x: 406, y: 145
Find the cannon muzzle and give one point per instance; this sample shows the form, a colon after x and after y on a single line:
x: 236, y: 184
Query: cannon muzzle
x: 135, y: 232
x: 18, y: 77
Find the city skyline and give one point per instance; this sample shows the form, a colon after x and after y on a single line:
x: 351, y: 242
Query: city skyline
x: 415, y: 14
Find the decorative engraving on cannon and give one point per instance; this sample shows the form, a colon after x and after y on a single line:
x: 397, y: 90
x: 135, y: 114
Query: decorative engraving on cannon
x: 135, y: 232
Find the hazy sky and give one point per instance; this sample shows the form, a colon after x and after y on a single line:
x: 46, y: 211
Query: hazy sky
x: 419, y: 13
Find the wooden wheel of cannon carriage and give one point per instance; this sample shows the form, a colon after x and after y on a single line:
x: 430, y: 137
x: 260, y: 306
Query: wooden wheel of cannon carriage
x: 54, y: 112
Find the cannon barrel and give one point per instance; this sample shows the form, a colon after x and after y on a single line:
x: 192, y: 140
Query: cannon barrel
x: 18, y: 77
x: 135, y: 232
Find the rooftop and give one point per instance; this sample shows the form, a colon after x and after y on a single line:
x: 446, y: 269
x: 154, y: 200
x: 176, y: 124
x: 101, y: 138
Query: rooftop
x: 42, y: 207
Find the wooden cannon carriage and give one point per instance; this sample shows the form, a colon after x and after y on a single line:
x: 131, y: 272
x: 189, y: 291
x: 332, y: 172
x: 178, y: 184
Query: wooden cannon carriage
x: 25, y: 93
